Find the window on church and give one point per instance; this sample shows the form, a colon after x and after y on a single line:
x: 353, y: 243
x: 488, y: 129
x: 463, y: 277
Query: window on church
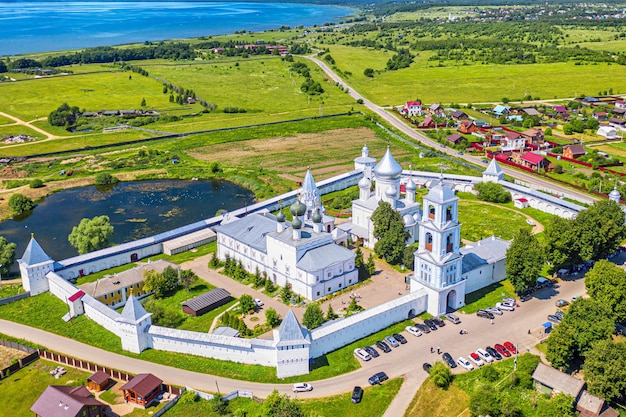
x: 449, y: 243
x: 431, y: 212
x: 429, y: 242
x: 449, y: 213
x: 318, y: 293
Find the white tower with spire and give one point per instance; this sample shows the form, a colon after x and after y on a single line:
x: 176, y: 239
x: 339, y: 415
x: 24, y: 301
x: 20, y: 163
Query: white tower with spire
x: 34, y: 265
x: 134, y: 323
x: 493, y: 173
x: 438, y: 261
x: 309, y: 194
x: 365, y: 162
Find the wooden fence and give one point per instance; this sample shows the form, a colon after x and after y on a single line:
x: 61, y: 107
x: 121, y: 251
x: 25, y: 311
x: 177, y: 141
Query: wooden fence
x: 27, y: 360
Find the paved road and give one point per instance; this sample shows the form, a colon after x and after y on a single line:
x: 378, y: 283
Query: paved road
x: 405, y: 361
x: 410, y: 132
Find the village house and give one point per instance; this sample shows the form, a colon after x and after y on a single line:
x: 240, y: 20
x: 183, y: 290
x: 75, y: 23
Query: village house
x: 142, y: 389
x: 500, y: 109
x: 531, y: 111
x: 533, y: 136
x: 513, y: 141
x: 532, y: 160
x: 454, y: 138
x: 620, y: 104
x: 67, y: 401
x: 429, y: 122
x: 467, y: 127
x: 412, y: 108
x: 619, y: 112
x: 459, y: 115
x: 574, y: 151
x: 599, y: 115
x: 617, y: 123
x: 560, y: 111
x: 436, y: 109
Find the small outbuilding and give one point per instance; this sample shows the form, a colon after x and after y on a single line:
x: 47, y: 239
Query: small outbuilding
x: 99, y: 381
x: 549, y: 380
x: 608, y: 132
x: 206, y: 302
x: 142, y: 389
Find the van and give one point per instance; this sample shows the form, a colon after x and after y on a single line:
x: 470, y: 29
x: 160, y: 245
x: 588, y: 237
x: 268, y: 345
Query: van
x: 484, y: 355
x: 357, y: 395
x: 361, y: 354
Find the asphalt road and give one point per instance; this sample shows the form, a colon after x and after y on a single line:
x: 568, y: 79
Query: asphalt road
x: 407, y: 130
x: 405, y: 360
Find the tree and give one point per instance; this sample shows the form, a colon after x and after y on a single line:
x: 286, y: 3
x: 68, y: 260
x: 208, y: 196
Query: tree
x: 369, y: 72
x: 91, y: 234
x: 272, y: 317
x: 408, y: 258
x: 592, y: 124
x: 143, y: 102
x: 560, y: 243
x: 188, y: 278
x: 19, y: 204
x: 524, y: 260
x: 104, y: 178
x: 561, y: 405
x: 64, y: 115
x: 353, y: 307
x: 36, y: 183
x: 360, y: 264
x: 484, y: 401
x: 246, y: 303
x: 605, y: 369
x: 389, y: 232
x: 7, y: 255
x: 600, y: 230
x: 492, y: 192
x: 218, y: 405
x: 330, y: 313
x: 441, y: 375
x: 161, y: 284
x: 606, y: 283
x: 371, y: 266
x: 560, y: 346
x: 313, y: 316
x: 277, y: 405
x: 285, y: 293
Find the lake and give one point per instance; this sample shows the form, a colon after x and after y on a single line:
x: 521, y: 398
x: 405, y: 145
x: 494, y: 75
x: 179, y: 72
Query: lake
x: 136, y: 210
x: 33, y: 26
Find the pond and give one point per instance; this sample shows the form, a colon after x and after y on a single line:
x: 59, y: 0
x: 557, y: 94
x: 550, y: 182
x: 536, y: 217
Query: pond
x: 136, y: 210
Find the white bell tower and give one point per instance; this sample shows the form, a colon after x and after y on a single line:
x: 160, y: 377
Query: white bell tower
x: 438, y: 261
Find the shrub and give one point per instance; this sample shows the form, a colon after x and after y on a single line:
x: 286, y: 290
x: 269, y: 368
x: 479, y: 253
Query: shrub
x: 19, y: 203
x: 104, y: 178
x: 36, y: 183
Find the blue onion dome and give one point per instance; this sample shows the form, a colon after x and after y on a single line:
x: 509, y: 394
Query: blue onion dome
x: 296, y: 223
x: 317, y: 216
x: 298, y: 208
x: 280, y: 217
x: 364, y: 182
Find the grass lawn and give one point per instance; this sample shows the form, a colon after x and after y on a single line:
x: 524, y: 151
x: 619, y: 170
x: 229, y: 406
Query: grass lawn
x: 101, y: 274
x: 487, y: 297
x: 479, y: 220
x: 432, y: 401
x: 7, y: 290
x: 14, y: 130
x: 189, y: 255
x: 469, y: 83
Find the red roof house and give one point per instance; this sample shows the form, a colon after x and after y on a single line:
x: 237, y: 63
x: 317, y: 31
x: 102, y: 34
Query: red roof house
x: 534, y: 161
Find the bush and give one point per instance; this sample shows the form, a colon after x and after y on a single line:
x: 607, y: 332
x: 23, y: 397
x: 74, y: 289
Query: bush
x: 492, y: 192
x: 104, y: 178
x: 36, y: 183
x: 19, y: 203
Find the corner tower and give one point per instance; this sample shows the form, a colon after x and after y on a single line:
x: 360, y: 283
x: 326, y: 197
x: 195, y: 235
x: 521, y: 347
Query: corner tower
x: 34, y: 265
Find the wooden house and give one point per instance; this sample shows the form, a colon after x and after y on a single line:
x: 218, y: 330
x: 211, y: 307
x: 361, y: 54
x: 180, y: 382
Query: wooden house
x: 142, y: 389
x: 67, y: 401
x: 99, y: 381
x: 574, y: 151
x: 467, y: 127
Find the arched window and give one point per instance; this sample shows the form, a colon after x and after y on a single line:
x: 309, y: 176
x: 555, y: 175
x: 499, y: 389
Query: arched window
x: 429, y: 241
x: 449, y: 243
x: 431, y: 212
x: 449, y: 213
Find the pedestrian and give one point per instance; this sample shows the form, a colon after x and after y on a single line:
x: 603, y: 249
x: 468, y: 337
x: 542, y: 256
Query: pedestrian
x: 438, y: 350
x: 460, y: 332
x: 491, y: 321
x: 528, y: 331
x: 432, y: 349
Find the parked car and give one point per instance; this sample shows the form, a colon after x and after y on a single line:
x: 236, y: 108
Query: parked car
x: 413, y: 330
x: 484, y: 314
x: 438, y: 321
x: 484, y: 355
x: 426, y: 366
x: 502, y: 350
x: 561, y: 302
x: 302, y: 387
x: 494, y: 353
x: 476, y: 359
x: 424, y: 328
x: 357, y: 395
x: 372, y: 352
x: 465, y: 363
x: 378, y: 378
x: 509, y: 300
x: 576, y: 297
x: 454, y: 319
x: 530, y: 222
x: 554, y: 319
x: 258, y: 302
x: 431, y: 324
x: 559, y: 314
x: 506, y: 307
x: 447, y: 358
x: 383, y: 346
x: 399, y: 338
x: 525, y: 296
x: 620, y: 330
x: 511, y: 347
x: 361, y: 354
x: 391, y: 341
x: 494, y: 310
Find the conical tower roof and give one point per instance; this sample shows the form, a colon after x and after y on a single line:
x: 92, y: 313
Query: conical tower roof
x: 34, y: 254
x: 387, y: 167
x: 133, y: 311
x: 290, y: 332
x: 493, y: 169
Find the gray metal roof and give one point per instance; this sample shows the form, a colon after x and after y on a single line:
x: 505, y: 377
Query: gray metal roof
x: 307, y: 237
x: 34, y: 254
x: 487, y: 251
x: 290, y: 332
x: 226, y: 331
x: 133, y: 311
x: 207, y: 299
x: 318, y: 258
x: 557, y: 380
x: 250, y: 230
x: 387, y: 167
x: 493, y: 168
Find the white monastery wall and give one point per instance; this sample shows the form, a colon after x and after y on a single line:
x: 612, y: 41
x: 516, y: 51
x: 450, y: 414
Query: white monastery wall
x: 339, y: 333
x: 101, y: 314
x: 484, y: 275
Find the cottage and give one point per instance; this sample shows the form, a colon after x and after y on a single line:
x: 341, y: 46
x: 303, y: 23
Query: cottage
x: 599, y: 115
x: 533, y: 160
x: 436, y: 109
x: 513, y: 141
x: 533, y: 136
x: 429, y: 122
x: 499, y: 110
x: 620, y: 104
x: 591, y: 406
x: 574, y: 151
x: 142, y: 389
x: 549, y: 380
x: 617, y: 123
x: 467, y: 127
x: 66, y: 401
x: 412, y: 108
x: 454, y: 138
x: 619, y: 112
x: 99, y: 381
x: 531, y: 111
x: 206, y: 302
x: 560, y: 110
x: 459, y: 115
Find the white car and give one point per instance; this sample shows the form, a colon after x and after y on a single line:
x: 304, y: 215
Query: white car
x: 361, y: 354
x: 484, y: 355
x: 302, y: 387
x: 494, y: 310
x: 476, y: 359
x: 465, y: 363
x: 413, y: 330
x: 258, y: 302
x: 530, y: 222
x: 504, y: 306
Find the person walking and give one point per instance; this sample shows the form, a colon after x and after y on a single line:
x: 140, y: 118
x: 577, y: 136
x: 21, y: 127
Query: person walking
x: 491, y: 321
x: 432, y: 349
x: 438, y: 350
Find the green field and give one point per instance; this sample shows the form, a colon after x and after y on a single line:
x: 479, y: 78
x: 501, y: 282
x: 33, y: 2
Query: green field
x: 470, y: 83
x: 480, y: 220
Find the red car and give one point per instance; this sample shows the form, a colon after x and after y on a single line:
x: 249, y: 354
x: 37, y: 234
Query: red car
x: 502, y: 350
x: 511, y: 347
